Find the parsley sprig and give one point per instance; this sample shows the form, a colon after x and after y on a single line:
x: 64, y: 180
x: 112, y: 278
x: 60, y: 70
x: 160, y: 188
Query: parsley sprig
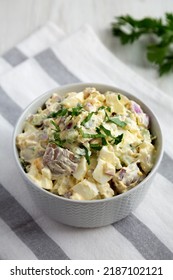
x: 160, y: 51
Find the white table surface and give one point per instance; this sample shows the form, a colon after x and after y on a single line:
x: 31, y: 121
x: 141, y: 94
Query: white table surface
x: 19, y: 18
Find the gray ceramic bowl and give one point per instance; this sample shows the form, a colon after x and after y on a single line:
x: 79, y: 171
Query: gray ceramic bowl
x: 95, y: 213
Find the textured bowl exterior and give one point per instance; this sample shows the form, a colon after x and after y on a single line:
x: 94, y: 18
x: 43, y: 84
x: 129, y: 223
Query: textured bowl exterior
x: 95, y: 213
x: 88, y: 214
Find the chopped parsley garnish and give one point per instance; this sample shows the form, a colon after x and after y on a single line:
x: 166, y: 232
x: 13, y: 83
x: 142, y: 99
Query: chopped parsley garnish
x: 76, y: 110
x: 119, y: 97
x: 87, y: 118
x: 56, y: 136
x: 94, y: 136
x: 56, y: 126
x: 101, y: 131
x: 105, y: 108
x: 118, y: 139
x: 97, y: 135
x: 64, y: 111
x: 98, y: 130
x: 57, y: 140
x: 90, y: 114
x: 104, y: 142
x: 117, y: 121
x: 106, y: 131
x: 86, y: 154
x: 101, y: 108
x: 96, y: 147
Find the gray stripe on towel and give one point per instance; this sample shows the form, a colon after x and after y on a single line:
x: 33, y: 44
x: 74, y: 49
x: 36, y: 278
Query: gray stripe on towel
x: 23, y: 225
x: 54, y: 68
x: 14, y: 56
x: 143, y: 239
x: 8, y: 108
x: 166, y: 167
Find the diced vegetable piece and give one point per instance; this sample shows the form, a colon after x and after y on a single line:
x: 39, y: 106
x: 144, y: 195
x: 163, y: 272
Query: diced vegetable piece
x: 99, y: 173
x: 105, y: 190
x: 85, y: 190
x: 81, y: 170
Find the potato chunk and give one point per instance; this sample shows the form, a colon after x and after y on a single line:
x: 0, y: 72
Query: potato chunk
x: 85, y: 190
x: 103, y: 172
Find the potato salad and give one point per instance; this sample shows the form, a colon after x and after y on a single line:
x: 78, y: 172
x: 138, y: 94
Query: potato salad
x: 87, y: 145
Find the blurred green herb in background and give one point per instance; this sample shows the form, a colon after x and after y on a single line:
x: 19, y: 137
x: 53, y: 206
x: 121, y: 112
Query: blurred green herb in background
x: 160, y: 51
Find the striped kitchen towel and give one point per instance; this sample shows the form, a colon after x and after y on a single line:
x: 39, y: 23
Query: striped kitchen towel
x: 38, y: 41
x: 25, y: 233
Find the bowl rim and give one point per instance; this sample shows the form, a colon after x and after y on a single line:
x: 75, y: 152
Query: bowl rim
x: 84, y: 85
